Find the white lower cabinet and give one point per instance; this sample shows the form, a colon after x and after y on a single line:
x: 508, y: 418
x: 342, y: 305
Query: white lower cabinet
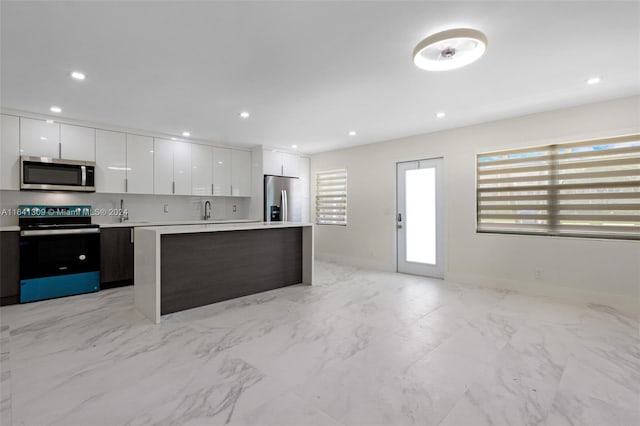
x: 221, y: 171
x: 9, y: 152
x: 201, y: 170
x: 240, y: 173
x: 139, y: 164
x: 77, y: 143
x: 111, y: 162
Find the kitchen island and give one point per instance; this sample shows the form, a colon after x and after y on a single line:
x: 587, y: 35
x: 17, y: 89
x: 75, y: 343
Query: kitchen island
x: 183, y: 267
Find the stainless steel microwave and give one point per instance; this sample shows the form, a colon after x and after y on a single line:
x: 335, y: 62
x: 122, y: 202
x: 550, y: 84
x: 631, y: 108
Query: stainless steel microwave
x: 54, y: 174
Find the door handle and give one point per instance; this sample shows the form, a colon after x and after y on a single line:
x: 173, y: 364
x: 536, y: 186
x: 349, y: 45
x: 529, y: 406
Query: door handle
x: 399, y: 224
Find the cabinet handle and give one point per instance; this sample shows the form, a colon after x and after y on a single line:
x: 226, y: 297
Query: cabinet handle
x: 59, y: 149
x: 231, y: 189
x: 173, y: 190
x: 211, y: 189
x: 131, y: 235
x: 126, y: 184
x: 282, y: 170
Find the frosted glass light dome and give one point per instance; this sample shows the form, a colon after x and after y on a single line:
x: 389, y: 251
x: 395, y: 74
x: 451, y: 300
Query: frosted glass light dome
x: 450, y: 49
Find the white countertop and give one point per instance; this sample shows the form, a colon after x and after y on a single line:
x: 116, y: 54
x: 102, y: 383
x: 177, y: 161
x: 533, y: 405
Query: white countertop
x: 216, y: 227
x: 133, y: 224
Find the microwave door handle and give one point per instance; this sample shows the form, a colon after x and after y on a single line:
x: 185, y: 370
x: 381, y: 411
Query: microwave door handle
x: 84, y: 175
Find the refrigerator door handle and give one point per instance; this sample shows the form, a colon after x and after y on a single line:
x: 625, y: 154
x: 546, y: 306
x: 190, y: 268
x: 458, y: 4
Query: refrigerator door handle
x: 284, y: 206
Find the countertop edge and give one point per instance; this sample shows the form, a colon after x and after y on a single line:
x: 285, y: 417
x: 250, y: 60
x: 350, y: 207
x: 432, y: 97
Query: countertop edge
x: 193, y: 229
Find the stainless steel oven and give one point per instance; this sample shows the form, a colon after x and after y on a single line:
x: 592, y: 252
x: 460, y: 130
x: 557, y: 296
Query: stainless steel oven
x: 59, y: 252
x: 54, y: 174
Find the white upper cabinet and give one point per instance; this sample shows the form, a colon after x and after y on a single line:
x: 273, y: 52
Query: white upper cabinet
x: 172, y: 167
x: 182, y: 168
x: 139, y: 164
x: 240, y: 173
x: 77, y: 143
x: 39, y: 138
x: 290, y: 165
x: 9, y: 152
x: 272, y: 162
x: 111, y: 161
x: 201, y: 173
x: 279, y: 163
x: 221, y: 171
x: 163, y: 166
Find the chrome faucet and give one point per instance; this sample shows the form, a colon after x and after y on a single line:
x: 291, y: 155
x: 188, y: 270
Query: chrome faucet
x: 207, y: 212
x: 124, y: 215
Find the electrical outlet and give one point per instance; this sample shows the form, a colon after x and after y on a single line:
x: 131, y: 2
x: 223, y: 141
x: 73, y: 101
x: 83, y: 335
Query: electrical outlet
x: 166, y: 208
x: 537, y: 274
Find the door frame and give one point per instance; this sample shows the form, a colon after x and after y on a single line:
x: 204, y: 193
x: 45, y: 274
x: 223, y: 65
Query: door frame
x: 442, y: 221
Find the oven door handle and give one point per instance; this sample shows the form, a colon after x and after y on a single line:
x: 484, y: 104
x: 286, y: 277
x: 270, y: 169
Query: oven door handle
x: 36, y: 232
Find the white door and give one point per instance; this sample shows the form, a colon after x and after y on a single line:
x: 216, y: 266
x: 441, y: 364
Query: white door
x: 240, y: 173
x: 111, y: 162
x: 77, y: 142
x: 221, y: 171
x: 201, y: 175
x: 139, y: 164
x: 182, y: 168
x: 163, y: 166
x: 39, y: 138
x: 420, y: 218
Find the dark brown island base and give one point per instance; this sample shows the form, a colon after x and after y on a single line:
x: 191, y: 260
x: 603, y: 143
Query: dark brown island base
x: 183, y: 267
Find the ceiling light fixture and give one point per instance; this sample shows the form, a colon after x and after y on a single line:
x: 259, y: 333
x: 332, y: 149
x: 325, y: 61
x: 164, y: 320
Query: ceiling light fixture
x: 294, y: 146
x: 593, y: 80
x: 77, y: 75
x: 55, y: 109
x: 352, y: 133
x: 49, y: 121
x: 186, y: 134
x: 244, y: 114
x: 174, y: 139
x: 441, y: 115
x: 451, y: 49
x: 43, y: 138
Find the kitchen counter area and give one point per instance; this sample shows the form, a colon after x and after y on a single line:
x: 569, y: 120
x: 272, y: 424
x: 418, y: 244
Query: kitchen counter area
x: 186, y: 266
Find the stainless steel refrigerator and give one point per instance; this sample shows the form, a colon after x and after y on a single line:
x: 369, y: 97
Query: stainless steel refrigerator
x: 282, y: 199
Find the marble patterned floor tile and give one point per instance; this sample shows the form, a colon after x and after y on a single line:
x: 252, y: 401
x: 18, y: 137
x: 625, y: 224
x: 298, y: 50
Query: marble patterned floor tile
x: 359, y: 348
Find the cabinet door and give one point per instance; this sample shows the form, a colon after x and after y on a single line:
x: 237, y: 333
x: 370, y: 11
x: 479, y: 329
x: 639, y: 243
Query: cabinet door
x: 221, y: 171
x: 77, y: 142
x: 182, y: 168
x: 111, y: 161
x: 116, y: 255
x: 290, y: 165
x: 162, y: 166
x: 9, y: 152
x: 139, y: 164
x: 201, y: 173
x: 10, y: 271
x: 303, y: 172
x: 240, y: 173
x: 39, y: 138
x: 272, y: 162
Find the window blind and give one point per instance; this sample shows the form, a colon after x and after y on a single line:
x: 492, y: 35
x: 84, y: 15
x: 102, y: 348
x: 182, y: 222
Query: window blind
x: 589, y: 188
x: 331, y: 197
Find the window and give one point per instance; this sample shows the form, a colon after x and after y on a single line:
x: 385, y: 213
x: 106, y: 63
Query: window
x: 331, y: 197
x: 586, y: 189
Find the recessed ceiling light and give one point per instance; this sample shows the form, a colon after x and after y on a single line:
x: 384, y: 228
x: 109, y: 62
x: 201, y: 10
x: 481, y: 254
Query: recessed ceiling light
x: 77, y: 75
x: 186, y: 134
x: 55, y: 109
x: 594, y: 80
x: 49, y: 121
x: 294, y: 146
x: 43, y: 138
x: 174, y: 139
x: 352, y: 133
x: 441, y: 115
x: 244, y: 114
x: 151, y: 151
x: 450, y: 49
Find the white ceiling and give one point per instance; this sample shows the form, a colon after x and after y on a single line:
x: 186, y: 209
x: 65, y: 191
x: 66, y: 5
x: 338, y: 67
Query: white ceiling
x: 309, y: 72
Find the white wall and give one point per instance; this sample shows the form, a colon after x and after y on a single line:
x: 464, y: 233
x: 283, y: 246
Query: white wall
x: 579, y: 269
x: 140, y: 207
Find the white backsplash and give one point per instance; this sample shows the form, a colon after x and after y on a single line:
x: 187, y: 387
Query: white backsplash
x: 140, y: 207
